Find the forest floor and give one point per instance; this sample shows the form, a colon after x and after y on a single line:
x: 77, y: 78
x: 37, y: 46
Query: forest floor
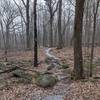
x: 87, y: 89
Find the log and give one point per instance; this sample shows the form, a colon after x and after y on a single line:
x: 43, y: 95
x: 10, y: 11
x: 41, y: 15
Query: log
x: 9, y: 70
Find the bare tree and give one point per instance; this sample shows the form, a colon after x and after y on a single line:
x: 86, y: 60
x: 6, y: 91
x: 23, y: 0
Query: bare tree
x: 26, y: 20
x: 51, y: 5
x: 9, y: 14
x: 95, y: 11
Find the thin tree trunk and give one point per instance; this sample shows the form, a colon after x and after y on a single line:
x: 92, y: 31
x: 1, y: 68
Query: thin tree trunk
x: 93, y: 38
x: 35, y: 36
x: 51, y: 31
x: 60, y: 41
x: 27, y: 25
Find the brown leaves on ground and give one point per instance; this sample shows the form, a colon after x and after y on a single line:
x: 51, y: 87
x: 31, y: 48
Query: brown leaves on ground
x: 74, y: 90
x: 84, y: 91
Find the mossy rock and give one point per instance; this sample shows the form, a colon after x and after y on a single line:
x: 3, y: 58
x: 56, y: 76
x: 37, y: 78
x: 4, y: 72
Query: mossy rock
x: 22, y: 74
x: 45, y: 80
x: 2, y: 66
x: 18, y: 73
x: 48, y: 60
x: 65, y: 66
x: 3, y: 83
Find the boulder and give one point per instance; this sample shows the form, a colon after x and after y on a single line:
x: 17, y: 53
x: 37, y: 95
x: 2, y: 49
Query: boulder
x: 46, y: 80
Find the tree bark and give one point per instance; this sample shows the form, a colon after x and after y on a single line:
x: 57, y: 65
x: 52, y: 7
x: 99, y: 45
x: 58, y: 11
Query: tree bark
x: 51, y: 31
x: 60, y: 41
x: 35, y: 36
x: 27, y: 25
x: 78, y: 24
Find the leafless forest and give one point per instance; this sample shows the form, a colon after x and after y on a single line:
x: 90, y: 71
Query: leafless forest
x: 49, y: 50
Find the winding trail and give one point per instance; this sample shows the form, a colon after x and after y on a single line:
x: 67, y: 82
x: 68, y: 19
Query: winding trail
x: 56, y: 62
x: 48, y: 53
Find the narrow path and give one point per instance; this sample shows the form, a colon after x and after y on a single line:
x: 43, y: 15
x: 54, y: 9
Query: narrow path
x: 59, y: 73
x: 48, y: 53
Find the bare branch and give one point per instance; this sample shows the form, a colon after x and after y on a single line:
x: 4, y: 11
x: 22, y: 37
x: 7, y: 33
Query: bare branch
x: 23, y: 3
x: 20, y: 11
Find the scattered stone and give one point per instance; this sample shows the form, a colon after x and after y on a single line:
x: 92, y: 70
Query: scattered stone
x: 50, y: 67
x: 53, y: 65
x: 3, y: 83
x: 65, y: 66
x: 2, y: 66
x: 48, y: 60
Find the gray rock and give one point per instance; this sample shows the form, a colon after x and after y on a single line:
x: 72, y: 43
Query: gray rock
x: 53, y: 65
x: 50, y: 67
x: 46, y: 80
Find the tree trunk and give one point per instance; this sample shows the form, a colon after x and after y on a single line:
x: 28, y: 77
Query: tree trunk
x: 78, y: 59
x: 35, y: 36
x: 27, y: 25
x: 7, y: 42
x: 51, y: 31
x: 60, y: 41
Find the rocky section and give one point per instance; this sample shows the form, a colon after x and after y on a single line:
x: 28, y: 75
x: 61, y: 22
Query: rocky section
x: 51, y: 60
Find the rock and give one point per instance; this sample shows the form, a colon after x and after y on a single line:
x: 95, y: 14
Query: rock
x: 46, y: 80
x: 63, y: 77
x: 51, y: 60
x: 3, y: 83
x: 18, y: 73
x: 48, y: 60
x: 56, y: 61
x: 50, y: 67
x: 2, y: 66
x: 22, y: 76
x: 53, y: 65
x: 65, y: 66
x: 55, y: 97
